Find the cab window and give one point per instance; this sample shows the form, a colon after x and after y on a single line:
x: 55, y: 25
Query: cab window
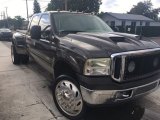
x: 44, y: 21
x: 35, y: 21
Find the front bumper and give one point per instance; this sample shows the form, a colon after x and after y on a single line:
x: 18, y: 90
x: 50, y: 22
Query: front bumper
x: 97, y: 97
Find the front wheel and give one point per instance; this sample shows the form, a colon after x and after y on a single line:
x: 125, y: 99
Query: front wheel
x: 68, y: 99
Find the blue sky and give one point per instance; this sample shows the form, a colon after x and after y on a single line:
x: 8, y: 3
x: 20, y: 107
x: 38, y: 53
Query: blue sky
x: 18, y: 7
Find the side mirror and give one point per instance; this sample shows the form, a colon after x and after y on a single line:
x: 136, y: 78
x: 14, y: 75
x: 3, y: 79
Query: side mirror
x: 35, y: 32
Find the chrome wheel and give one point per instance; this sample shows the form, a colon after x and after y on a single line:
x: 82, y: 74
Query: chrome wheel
x: 68, y: 98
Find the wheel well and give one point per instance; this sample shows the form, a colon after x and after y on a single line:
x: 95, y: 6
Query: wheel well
x: 62, y: 68
x: 12, y: 41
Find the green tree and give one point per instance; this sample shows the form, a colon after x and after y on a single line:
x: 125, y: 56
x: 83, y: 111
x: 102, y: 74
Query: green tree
x: 36, y: 7
x: 55, y: 5
x: 76, y: 5
x: 100, y: 14
x: 18, y: 22
x: 85, y: 5
x: 145, y: 8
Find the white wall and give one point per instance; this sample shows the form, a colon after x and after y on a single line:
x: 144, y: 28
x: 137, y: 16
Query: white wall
x: 143, y: 23
x: 118, y: 23
x: 155, y: 24
x: 137, y: 23
x: 128, y: 23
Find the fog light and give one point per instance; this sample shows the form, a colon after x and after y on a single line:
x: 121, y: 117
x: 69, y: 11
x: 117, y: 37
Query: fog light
x: 131, y: 66
x: 124, y: 94
x: 155, y: 62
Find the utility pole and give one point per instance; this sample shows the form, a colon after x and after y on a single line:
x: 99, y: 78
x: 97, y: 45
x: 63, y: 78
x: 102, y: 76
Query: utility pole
x: 7, y: 16
x: 6, y: 12
x: 66, y: 5
x: 1, y: 15
x: 27, y: 10
x: 4, y: 16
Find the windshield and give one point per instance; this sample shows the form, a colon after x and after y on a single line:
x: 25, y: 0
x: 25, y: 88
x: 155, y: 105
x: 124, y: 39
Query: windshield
x: 70, y: 22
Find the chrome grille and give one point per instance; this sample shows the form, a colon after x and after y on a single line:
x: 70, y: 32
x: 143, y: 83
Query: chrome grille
x: 147, y: 63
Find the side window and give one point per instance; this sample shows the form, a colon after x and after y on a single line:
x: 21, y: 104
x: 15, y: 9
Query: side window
x: 45, y: 21
x: 123, y: 23
x: 133, y: 24
x: 34, y: 21
x: 147, y: 23
x: 112, y: 23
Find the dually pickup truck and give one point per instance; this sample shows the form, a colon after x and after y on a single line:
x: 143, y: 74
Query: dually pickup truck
x: 91, y: 65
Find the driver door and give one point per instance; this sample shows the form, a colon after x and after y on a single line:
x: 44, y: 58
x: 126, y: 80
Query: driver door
x: 45, y: 48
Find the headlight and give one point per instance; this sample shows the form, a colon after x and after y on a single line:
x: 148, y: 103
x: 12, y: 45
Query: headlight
x: 99, y: 66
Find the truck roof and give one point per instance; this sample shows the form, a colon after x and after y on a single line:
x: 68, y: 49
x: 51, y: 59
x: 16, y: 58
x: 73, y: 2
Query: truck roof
x: 75, y: 12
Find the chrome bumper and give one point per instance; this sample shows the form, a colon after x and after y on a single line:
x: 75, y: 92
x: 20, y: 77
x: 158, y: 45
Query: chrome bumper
x: 96, y: 97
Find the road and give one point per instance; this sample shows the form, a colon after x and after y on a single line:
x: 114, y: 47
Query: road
x: 25, y: 94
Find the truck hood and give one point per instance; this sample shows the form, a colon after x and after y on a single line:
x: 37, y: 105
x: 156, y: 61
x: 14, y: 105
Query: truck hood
x: 105, y: 44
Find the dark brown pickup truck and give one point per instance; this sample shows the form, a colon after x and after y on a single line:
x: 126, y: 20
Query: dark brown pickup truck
x: 91, y: 64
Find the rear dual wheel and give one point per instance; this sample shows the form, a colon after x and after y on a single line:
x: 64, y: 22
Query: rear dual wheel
x: 14, y: 56
x: 18, y: 58
x: 25, y: 59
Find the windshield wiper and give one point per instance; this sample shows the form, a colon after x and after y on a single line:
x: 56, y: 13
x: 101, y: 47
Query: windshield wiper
x: 70, y: 31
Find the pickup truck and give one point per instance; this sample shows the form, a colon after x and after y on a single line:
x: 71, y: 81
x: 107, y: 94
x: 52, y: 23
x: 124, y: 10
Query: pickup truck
x: 91, y: 64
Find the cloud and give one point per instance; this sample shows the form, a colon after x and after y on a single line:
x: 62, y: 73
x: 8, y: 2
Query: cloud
x: 156, y: 3
x: 109, y: 3
x: 118, y: 6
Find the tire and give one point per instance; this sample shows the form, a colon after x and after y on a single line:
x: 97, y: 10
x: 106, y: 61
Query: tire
x: 68, y: 99
x: 25, y: 59
x: 15, y: 56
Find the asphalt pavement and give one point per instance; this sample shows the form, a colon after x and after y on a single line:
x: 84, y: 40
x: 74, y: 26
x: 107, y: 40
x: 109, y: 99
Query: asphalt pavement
x: 25, y: 94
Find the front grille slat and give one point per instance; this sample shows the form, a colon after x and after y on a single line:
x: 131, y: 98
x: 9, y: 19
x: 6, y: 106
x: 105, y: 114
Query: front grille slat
x: 146, y: 64
x: 118, y: 62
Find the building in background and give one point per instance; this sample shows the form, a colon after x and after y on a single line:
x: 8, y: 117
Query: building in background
x: 120, y: 19
x: 131, y: 23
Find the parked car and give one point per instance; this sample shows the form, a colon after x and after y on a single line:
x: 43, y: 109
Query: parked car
x: 5, y: 34
x: 91, y: 64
